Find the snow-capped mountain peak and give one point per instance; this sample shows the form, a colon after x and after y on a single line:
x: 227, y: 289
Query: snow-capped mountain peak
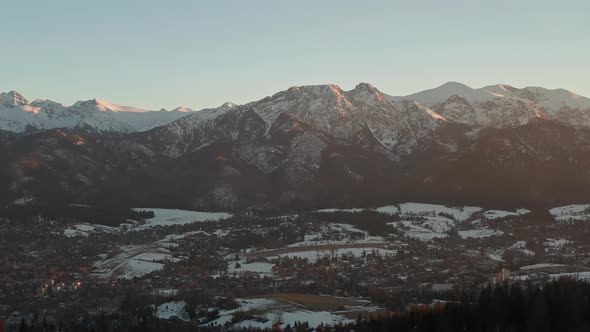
x: 13, y: 98
x: 558, y: 99
x: 326, y: 107
x: 365, y: 92
x: 17, y: 114
x: 227, y: 105
x: 500, y: 89
x: 183, y: 109
x: 104, y: 105
x: 503, y: 105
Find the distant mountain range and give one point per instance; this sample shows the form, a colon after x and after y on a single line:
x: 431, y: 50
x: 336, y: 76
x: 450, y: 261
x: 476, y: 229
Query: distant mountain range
x: 308, y: 146
x: 502, y: 105
x: 17, y: 114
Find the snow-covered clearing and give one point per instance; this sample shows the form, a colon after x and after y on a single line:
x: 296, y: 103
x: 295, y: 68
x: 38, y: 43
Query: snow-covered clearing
x: 172, y: 309
x: 162, y: 217
x: 576, y: 212
x: 496, y: 256
x: 262, y: 268
x: 521, y: 246
x: 556, y: 243
x: 585, y: 275
x: 582, y: 275
x: 497, y: 214
x: 170, y: 217
x: 423, y: 209
x: 419, y: 209
x: 425, y: 221
x: 479, y: 233
x: 134, y: 261
x: 340, y: 210
x: 412, y: 229
x: 315, y: 255
x: 268, y: 312
x: 540, y: 266
x: 261, y: 262
x: 346, y: 234
x: 85, y: 229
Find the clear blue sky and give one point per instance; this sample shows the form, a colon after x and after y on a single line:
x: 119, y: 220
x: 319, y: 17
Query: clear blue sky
x: 156, y: 54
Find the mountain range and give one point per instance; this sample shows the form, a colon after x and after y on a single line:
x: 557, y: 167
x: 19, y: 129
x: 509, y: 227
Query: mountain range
x: 17, y: 114
x: 307, y: 146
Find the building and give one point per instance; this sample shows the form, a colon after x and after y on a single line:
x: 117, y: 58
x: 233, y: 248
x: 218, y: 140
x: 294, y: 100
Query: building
x: 501, y: 276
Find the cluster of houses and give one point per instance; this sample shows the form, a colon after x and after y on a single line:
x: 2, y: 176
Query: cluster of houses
x: 54, y: 271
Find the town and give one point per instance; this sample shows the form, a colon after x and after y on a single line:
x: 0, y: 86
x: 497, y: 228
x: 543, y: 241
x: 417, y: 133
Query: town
x: 254, y: 269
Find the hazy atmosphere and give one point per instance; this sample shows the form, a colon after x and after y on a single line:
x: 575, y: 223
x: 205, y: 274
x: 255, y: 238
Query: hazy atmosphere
x: 199, y: 54
x: 295, y: 166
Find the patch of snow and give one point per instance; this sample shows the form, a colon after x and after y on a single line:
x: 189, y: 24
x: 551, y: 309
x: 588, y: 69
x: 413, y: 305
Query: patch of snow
x: 273, y: 311
x: 521, y: 245
x: 540, y: 266
x: 345, y: 230
x: 575, y: 212
x: 479, y: 233
x: 496, y: 257
x: 169, y: 217
x: 556, y: 243
x: 339, y: 210
x: 69, y: 232
x: 172, y: 309
x: 140, y: 268
x: 585, y: 275
x: 23, y: 200
x: 134, y: 261
x: 497, y: 214
x: 412, y: 230
x: 314, y: 255
x: 85, y: 229
x: 459, y: 213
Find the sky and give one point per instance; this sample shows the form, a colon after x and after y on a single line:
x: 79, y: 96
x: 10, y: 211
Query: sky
x: 155, y: 54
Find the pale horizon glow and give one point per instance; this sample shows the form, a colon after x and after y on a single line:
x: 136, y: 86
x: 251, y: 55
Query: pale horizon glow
x: 199, y: 54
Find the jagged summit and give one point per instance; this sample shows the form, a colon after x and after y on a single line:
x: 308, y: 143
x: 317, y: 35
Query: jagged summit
x: 13, y: 98
x: 502, y: 105
x: 97, y: 115
x: 309, y: 139
x: 183, y: 109
x: 105, y: 105
x: 364, y: 85
x: 228, y: 105
x: 500, y: 89
x: 323, y: 105
x: 367, y: 93
x: 318, y: 90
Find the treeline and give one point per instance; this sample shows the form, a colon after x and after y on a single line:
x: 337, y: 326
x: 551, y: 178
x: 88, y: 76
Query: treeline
x: 562, y: 305
x: 373, y: 222
x: 111, y: 216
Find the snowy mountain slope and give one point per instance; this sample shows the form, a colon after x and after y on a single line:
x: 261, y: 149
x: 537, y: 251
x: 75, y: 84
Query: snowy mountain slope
x: 327, y: 107
x: 299, y: 115
x: 502, y: 105
x: 305, y: 146
x: 552, y: 100
x: 343, y: 114
x: 18, y: 115
x: 542, y: 162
